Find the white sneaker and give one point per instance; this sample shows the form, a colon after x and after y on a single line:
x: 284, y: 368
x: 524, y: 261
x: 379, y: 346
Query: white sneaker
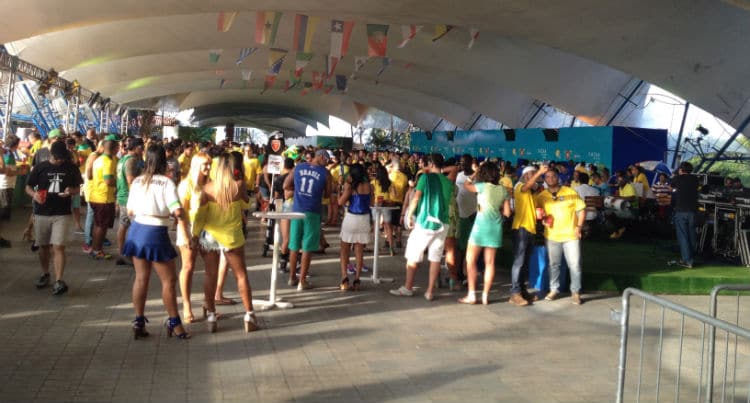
x: 402, y: 292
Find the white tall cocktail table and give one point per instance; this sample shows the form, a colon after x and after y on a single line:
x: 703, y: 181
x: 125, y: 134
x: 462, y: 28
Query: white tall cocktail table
x: 378, y: 212
x: 274, y: 301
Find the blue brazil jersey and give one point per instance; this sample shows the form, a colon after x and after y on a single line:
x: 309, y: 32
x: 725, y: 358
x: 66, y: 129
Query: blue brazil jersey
x: 309, y: 184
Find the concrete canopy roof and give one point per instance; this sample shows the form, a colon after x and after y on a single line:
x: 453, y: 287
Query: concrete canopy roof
x: 576, y: 55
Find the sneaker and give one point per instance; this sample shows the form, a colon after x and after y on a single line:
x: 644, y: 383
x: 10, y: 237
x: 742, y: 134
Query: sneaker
x: 304, y: 285
x: 682, y: 263
x: 59, y: 288
x: 365, y: 269
x: 551, y: 296
x: 350, y: 269
x: 107, y: 243
x: 575, y: 298
x: 402, y: 292
x: 429, y: 296
x: 291, y: 283
x: 43, y: 281
x: 4, y: 243
x: 34, y: 246
x: 86, y: 248
x: 530, y: 297
x: 100, y: 255
x: 518, y: 299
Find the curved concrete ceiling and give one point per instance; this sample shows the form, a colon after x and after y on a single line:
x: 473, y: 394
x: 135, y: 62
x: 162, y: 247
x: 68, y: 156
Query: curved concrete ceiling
x: 576, y: 55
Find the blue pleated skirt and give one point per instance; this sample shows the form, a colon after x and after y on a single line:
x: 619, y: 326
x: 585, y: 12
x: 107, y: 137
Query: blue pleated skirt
x: 149, y: 242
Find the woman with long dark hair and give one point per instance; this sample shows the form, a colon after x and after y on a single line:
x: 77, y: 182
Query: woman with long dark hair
x: 383, y: 193
x: 153, y: 200
x: 355, y: 229
x: 487, y: 233
x: 219, y: 223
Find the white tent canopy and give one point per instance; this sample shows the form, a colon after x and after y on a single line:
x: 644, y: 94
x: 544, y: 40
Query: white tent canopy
x: 578, y: 56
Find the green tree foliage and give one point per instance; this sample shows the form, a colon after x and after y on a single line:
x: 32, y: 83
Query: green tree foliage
x: 197, y: 134
x: 381, y: 139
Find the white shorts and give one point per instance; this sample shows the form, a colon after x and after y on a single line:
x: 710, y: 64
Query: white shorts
x: 421, y: 239
x: 355, y: 228
x: 52, y: 229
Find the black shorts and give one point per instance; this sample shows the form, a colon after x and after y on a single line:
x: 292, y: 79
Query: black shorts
x: 104, y: 214
x: 396, y: 217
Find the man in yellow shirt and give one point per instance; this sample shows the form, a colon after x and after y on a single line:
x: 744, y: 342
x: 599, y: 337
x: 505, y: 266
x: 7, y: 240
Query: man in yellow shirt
x: 251, y: 165
x: 626, y: 191
x: 524, y: 229
x: 101, y: 192
x: 184, y: 160
x: 565, y: 215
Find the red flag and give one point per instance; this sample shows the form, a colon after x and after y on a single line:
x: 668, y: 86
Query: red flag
x: 317, y: 80
x: 377, y: 40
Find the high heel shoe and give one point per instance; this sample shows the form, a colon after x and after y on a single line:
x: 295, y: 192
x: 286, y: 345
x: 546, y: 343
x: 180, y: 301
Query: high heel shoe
x: 139, y: 327
x: 188, y: 315
x: 344, y: 286
x: 206, y: 311
x: 211, y: 321
x: 171, y: 324
x: 355, y: 285
x: 251, y: 322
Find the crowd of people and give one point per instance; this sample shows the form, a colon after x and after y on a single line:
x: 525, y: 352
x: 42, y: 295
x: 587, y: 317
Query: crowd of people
x: 456, y: 211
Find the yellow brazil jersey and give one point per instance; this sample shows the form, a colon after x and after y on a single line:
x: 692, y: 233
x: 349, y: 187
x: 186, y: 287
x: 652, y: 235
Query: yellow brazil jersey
x: 563, y: 206
x: 399, y: 183
x: 629, y: 191
x: 338, y: 178
x: 641, y: 178
x: 99, y: 191
x: 377, y: 191
x: 525, y: 209
x: 251, y: 171
x: 184, y: 162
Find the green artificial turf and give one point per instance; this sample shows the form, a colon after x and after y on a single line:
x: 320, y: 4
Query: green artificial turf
x: 616, y: 265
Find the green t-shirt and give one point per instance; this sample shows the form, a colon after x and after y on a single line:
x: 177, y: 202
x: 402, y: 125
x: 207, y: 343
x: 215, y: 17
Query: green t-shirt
x: 123, y: 166
x: 434, y: 204
x: 490, y: 198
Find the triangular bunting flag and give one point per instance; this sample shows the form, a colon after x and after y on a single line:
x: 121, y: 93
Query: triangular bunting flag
x: 359, y: 62
x: 245, y: 53
x: 222, y: 82
x: 304, y: 30
x: 327, y: 90
x: 317, y: 80
x: 275, y: 60
x: 214, y: 55
x: 341, y: 32
x: 300, y: 63
x: 225, y: 20
x: 386, y: 63
x: 341, y: 82
x: 377, y: 40
x: 408, y: 32
x: 361, y: 110
x: 474, y: 33
x: 247, y: 75
x: 306, y: 89
x: 440, y: 31
x: 266, y: 26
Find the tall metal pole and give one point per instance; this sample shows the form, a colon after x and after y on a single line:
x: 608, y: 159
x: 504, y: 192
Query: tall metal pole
x: 77, y: 106
x: 538, y: 109
x: 9, y: 96
x: 66, y: 122
x: 625, y: 102
x: 679, y: 136
x: 726, y: 145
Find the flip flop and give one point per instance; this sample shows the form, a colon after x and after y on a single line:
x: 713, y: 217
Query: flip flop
x: 225, y: 301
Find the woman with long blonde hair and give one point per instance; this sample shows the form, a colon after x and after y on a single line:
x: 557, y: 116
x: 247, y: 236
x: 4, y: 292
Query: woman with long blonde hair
x: 189, y: 192
x: 219, y: 223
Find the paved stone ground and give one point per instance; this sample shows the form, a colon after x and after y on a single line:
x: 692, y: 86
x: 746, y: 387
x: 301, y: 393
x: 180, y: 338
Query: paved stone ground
x: 366, y: 346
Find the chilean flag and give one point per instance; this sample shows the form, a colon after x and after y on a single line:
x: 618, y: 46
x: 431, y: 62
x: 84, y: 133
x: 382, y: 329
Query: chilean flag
x: 341, y: 32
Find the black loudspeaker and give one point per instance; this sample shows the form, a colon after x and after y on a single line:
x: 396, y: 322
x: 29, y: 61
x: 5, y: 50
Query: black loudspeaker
x: 451, y: 135
x: 428, y: 134
x: 510, y: 134
x: 551, y: 134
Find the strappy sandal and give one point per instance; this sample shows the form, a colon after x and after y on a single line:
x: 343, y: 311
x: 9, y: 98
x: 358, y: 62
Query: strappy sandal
x: 344, y: 286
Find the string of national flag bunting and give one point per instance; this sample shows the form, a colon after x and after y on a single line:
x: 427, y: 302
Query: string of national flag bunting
x: 267, y: 26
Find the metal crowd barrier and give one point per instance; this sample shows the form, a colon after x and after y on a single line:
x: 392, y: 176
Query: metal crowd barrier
x: 673, y: 349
